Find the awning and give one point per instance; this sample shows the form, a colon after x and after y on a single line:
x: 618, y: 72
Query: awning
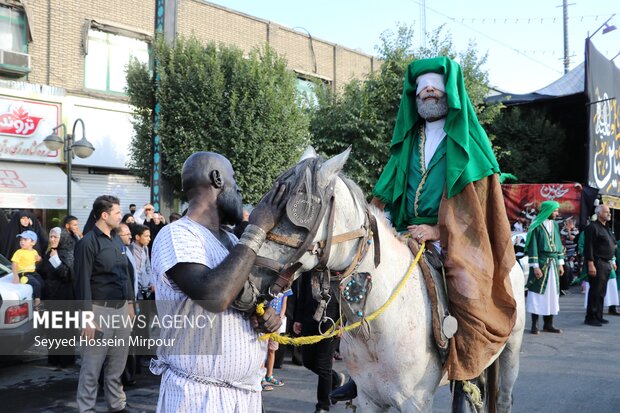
x: 26, y: 185
x: 572, y: 83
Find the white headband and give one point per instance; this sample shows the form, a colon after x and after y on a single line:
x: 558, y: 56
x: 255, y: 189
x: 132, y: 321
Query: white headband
x: 430, y: 79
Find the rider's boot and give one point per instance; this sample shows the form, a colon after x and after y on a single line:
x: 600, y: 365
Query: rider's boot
x: 346, y: 392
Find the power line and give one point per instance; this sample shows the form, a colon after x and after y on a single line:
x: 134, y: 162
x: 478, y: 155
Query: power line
x: 490, y: 38
x: 525, y: 19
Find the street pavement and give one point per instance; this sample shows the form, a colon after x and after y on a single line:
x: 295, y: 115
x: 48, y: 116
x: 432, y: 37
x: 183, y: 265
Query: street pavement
x: 574, y: 372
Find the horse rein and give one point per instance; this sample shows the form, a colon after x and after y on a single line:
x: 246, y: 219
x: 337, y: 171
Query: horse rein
x: 322, y: 248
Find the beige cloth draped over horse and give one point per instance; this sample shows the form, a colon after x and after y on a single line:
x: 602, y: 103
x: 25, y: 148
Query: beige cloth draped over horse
x: 474, y: 230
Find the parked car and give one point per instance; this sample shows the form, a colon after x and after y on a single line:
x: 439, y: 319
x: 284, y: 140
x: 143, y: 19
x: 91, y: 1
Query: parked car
x: 16, y: 306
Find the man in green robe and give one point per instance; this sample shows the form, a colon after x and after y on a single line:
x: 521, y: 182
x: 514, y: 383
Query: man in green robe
x: 441, y: 184
x: 546, y: 259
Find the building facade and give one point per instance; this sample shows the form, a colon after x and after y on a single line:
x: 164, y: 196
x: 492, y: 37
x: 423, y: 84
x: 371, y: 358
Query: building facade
x: 65, y: 60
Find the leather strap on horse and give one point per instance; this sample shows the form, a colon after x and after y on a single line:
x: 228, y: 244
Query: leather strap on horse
x: 375, y: 236
x: 441, y: 343
x: 362, y: 248
x: 338, y: 330
x: 285, y: 277
x: 322, y: 265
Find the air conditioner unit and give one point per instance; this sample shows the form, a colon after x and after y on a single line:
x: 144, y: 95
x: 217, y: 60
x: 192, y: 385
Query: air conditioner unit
x: 14, y: 63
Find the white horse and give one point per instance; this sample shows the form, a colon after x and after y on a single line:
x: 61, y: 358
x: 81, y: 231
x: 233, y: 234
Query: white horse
x: 395, y: 363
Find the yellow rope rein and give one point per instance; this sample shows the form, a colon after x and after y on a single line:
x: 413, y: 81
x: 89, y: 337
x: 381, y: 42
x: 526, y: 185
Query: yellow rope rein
x: 473, y: 391
x: 335, y: 330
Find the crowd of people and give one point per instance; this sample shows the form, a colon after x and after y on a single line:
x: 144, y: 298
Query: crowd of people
x: 107, y: 268
x: 67, y: 264
x: 559, y: 258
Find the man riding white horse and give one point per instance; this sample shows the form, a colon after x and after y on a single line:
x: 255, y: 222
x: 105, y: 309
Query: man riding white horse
x: 441, y: 185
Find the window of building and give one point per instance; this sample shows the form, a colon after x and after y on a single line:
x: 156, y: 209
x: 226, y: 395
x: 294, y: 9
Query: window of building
x: 107, y: 59
x: 13, y: 30
x: 307, y: 92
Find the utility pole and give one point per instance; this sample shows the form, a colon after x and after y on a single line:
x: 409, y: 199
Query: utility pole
x: 566, y: 56
x: 423, y: 23
x: 564, y: 6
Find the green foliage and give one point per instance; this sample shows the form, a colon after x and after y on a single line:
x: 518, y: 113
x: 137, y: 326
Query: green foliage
x: 363, y: 114
x: 535, y: 142
x: 216, y: 99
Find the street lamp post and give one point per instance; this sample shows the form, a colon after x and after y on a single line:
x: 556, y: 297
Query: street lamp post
x: 82, y: 148
x: 607, y: 27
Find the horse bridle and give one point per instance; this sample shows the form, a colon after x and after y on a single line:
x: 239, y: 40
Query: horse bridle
x: 322, y: 248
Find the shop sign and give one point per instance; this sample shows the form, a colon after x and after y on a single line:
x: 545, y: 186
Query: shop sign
x: 24, y: 123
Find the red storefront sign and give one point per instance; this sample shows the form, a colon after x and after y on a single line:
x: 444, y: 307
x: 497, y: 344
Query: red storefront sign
x: 24, y: 123
x: 19, y: 122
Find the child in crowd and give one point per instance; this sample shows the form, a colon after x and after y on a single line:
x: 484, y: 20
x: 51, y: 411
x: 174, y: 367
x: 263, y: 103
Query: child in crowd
x: 279, y: 306
x: 24, y: 262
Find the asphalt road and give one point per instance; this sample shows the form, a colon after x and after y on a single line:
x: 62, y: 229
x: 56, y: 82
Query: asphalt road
x: 574, y: 372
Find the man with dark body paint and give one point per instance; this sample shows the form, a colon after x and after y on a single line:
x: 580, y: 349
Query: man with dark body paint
x: 196, y: 260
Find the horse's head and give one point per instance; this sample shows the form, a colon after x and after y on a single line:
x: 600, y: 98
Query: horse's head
x: 325, y: 225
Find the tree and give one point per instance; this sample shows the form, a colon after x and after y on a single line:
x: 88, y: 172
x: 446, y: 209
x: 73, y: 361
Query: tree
x: 216, y: 99
x: 363, y: 114
x: 536, y: 143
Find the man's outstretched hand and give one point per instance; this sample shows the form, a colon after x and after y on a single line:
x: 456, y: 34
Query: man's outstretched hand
x: 269, y: 210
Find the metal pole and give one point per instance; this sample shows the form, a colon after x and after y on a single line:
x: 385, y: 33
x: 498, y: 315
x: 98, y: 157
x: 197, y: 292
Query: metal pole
x: 68, y: 157
x: 423, y: 23
x: 160, y: 8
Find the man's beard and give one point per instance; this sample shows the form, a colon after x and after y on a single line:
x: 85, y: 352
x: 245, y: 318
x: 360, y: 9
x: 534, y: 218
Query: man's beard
x: 230, y: 207
x: 432, y: 110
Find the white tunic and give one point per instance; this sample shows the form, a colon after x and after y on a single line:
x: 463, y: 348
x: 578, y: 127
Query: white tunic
x: 611, y: 296
x: 549, y: 302
x: 231, y: 357
x: 434, y: 134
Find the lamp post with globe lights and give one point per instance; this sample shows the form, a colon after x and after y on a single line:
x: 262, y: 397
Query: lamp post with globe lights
x: 82, y: 149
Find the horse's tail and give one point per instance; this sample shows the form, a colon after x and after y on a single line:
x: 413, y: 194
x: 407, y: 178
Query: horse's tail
x: 493, y: 385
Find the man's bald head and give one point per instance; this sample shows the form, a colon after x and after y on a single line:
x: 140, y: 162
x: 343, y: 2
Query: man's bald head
x: 211, y: 171
x: 205, y: 169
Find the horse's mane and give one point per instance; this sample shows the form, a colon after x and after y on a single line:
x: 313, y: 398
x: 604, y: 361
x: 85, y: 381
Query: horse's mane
x: 306, y: 170
x: 360, y: 199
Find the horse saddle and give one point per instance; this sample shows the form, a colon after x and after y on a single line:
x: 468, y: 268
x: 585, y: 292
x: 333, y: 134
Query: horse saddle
x: 444, y: 325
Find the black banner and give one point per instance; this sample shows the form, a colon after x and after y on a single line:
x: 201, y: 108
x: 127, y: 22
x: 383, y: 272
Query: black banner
x: 603, y: 89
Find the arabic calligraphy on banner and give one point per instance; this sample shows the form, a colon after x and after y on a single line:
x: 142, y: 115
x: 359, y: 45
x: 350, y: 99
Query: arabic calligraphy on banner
x: 523, y: 201
x: 603, y: 88
x: 24, y: 124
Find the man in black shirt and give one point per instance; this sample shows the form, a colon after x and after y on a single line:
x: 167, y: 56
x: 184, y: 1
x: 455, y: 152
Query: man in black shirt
x: 103, y: 285
x: 317, y: 357
x: 599, y: 255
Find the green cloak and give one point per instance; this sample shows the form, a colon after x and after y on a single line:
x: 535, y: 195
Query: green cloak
x: 545, y: 249
x: 469, y: 155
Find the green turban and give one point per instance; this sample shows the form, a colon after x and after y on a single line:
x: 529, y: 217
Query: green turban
x: 469, y: 156
x: 546, y: 209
